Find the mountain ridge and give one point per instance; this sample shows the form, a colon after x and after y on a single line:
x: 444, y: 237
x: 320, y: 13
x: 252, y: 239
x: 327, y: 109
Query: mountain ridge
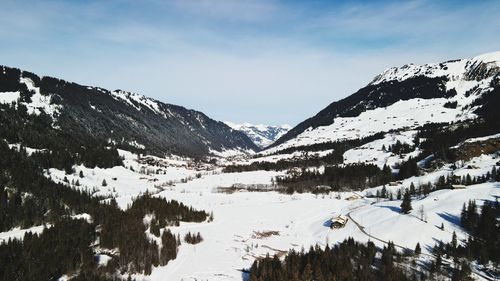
x: 457, y: 83
x: 122, y: 117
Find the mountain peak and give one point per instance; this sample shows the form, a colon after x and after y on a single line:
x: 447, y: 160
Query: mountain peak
x: 262, y: 135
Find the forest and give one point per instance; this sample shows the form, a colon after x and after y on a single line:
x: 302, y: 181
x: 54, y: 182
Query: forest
x: 349, y: 260
x: 483, y: 228
x: 66, y: 246
x: 56, y: 148
x: 348, y: 177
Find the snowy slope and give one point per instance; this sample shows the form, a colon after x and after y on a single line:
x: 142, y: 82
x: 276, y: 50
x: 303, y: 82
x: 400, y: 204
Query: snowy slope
x: 377, y: 108
x: 123, y: 118
x: 261, y: 135
x: 232, y: 241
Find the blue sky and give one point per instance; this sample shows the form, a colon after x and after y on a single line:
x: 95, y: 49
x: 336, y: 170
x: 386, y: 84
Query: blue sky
x: 258, y: 61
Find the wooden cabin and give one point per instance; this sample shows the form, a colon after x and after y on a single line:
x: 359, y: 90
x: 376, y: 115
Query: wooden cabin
x: 338, y: 222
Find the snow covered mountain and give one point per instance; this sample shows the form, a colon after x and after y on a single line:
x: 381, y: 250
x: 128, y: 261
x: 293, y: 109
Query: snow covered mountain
x: 127, y: 120
x: 261, y: 135
x: 404, y: 97
x: 80, y: 154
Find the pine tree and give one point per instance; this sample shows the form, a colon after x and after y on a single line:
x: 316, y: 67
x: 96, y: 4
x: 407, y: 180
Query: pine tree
x: 383, y: 194
x: 494, y: 175
x: 307, y: 274
x: 454, y: 242
x: 427, y: 188
x: 417, y: 249
x: 412, y: 188
x: 468, y: 180
x: 81, y: 174
x: 406, y: 204
x: 104, y: 183
x: 438, y: 262
x: 441, y: 184
x: 463, y: 216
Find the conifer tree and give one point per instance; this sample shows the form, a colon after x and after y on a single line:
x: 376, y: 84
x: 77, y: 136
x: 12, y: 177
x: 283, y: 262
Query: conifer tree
x: 412, y: 188
x: 418, y: 250
x: 406, y: 204
x: 454, y: 242
x: 383, y: 194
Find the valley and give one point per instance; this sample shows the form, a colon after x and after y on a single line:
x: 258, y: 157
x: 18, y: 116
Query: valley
x: 137, y: 179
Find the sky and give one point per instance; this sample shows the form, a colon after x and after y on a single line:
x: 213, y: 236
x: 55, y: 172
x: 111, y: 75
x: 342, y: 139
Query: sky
x: 271, y: 62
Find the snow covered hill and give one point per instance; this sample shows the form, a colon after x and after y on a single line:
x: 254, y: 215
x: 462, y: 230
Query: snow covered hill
x: 261, y: 135
x: 402, y: 97
x: 128, y: 120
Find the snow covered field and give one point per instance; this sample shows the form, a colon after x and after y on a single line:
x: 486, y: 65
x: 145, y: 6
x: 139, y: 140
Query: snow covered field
x: 249, y: 225
x: 232, y: 241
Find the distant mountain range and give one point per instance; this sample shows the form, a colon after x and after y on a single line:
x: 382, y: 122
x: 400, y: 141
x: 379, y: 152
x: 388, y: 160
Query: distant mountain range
x: 127, y: 120
x: 262, y: 135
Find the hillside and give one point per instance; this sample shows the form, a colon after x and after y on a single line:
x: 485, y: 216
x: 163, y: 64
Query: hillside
x: 404, y: 97
x: 126, y: 120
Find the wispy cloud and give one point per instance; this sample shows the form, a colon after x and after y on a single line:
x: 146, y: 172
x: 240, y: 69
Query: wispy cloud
x: 259, y: 61
x: 246, y: 11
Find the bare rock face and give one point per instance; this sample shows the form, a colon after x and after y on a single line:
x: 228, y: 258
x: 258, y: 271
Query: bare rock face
x: 481, y: 70
x: 469, y: 150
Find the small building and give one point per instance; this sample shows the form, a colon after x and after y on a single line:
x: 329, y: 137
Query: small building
x: 353, y: 197
x: 458, y: 186
x: 338, y: 222
x: 395, y: 183
x: 323, y: 187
